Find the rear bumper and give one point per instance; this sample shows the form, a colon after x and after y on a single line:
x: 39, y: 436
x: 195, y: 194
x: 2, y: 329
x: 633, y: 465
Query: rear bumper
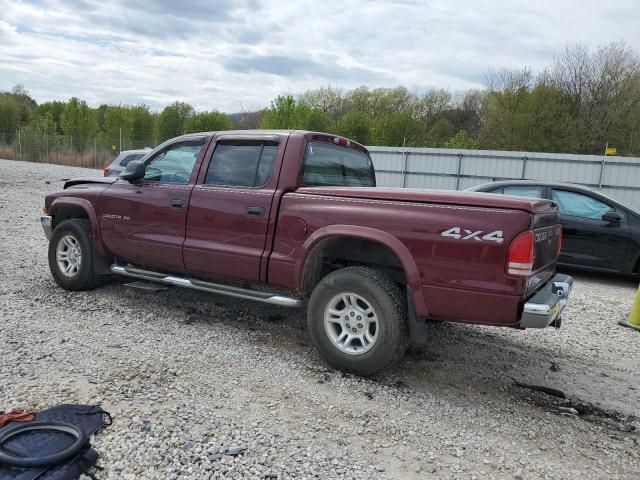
x: 546, y: 306
x: 46, y: 221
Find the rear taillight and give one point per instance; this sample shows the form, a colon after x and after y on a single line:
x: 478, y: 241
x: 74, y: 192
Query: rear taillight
x: 521, y: 255
x: 559, y: 241
x: 106, y: 171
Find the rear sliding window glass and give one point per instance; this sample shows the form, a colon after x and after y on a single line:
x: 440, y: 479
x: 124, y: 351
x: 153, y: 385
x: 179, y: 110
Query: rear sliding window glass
x: 244, y: 164
x: 332, y: 165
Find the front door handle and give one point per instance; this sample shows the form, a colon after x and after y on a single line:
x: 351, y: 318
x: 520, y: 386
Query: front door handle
x: 255, y: 212
x: 178, y: 204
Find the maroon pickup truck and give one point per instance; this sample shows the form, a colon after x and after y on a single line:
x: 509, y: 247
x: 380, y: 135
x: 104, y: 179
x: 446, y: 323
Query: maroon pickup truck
x: 294, y: 218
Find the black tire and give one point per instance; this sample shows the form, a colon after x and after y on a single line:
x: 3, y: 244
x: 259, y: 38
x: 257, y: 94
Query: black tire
x: 39, y: 426
x: 86, y: 277
x: 389, y: 305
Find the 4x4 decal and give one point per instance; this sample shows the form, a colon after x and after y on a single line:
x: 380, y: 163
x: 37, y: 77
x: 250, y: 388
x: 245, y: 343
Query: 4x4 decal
x: 478, y: 235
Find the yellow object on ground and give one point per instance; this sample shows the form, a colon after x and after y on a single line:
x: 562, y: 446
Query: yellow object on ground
x: 634, y: 318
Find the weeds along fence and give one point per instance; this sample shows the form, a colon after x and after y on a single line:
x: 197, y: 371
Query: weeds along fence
x: 92, y: 152
x: 452, y: 169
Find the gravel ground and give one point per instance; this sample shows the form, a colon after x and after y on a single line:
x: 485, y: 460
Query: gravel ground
x: 193, y: 379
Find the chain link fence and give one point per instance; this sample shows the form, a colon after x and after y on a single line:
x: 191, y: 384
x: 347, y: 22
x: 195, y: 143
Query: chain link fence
x: 94, y: 152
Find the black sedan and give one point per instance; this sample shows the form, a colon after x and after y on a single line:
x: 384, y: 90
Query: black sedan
x: 599, y: 233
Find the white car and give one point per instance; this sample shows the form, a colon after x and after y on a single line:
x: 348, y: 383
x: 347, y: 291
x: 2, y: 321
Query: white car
x: 121, y: 161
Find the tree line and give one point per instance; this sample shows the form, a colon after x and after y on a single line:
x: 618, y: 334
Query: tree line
x: 583, y: 101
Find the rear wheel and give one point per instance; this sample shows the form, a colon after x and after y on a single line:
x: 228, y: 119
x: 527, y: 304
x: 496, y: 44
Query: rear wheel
x: 357, y: 320
x: 72, y: 257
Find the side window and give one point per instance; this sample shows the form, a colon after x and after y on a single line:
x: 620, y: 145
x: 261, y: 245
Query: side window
x: 332, y: 165
x: 579, y: 205
x: 524, y: 191
x: 242, y: 164
x: 173, y: 165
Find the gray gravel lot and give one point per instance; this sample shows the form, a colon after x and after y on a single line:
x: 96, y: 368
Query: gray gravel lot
x: 189, y: 376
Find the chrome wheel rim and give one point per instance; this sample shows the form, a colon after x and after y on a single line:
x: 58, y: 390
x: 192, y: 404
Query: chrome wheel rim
x: 68, y: 255
x: 351, y: 323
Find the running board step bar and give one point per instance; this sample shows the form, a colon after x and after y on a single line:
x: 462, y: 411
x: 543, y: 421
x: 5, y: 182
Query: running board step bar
x: 266, y: 297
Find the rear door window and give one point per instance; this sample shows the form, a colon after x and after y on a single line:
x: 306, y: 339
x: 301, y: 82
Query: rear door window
x: 333, y: 165
x: 242, y: 164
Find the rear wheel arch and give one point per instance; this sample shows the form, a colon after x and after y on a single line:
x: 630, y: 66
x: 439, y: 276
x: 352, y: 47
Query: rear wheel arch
x: 351, y: 246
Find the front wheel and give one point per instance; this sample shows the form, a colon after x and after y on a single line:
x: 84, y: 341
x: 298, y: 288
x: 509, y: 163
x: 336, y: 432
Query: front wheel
x: 357, y: 320
x: 72, y: 257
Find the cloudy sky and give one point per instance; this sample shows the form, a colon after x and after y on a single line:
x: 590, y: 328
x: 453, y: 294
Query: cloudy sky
x: 239, y: 54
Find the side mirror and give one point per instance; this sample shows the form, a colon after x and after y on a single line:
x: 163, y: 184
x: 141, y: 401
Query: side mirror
x: 612, y: 217
x: 133, y: 171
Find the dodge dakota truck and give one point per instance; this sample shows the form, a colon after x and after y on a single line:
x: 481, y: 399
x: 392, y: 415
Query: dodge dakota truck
x: 294, y: 218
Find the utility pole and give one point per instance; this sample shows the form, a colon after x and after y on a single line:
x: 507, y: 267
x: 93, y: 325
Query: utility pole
x: 120, y: 151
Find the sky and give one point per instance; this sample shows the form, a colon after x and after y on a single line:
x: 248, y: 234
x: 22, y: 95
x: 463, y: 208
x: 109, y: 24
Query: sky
x: 237, y: 55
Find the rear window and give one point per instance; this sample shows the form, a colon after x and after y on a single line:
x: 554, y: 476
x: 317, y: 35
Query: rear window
x: 333, y: 165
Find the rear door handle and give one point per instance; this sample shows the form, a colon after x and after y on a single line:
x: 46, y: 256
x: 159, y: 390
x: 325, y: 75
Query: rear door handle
x: 178, y: 204
x: 255, y: 212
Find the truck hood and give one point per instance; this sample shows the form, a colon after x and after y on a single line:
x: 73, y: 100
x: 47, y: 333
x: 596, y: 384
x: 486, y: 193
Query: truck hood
x: 80, y: 181
x: 449, y: 197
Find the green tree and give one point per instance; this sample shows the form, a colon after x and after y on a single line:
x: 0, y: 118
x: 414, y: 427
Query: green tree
x: 283, y: 113
x: 143, y: 127
x: 398, y: 129
x: 118, y: 125
x: 38, y: 136
x: 171, y: 121
x: 355, y: 125
x: 79, y: 123
x: 317, y: 121
x: 439, y: 133
x: 531, y: 119
x: 11, y: 116
x: 460, y: 141
x: 207, y: 122
x: 15, y: 109
x: 53, y: 108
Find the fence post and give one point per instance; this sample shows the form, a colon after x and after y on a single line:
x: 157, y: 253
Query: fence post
x: 459, y: 171
x: 524, y: 167
x: 602, y: 165
x: 19, y: 146
x: 404, y: 169
x: 95, y: 152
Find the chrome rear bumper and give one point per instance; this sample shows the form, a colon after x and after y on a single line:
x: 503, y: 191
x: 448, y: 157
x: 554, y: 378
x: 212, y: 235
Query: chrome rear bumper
x: 546, y: 306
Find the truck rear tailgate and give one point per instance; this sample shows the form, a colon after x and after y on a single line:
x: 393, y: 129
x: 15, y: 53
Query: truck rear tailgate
x: 547, y: 237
